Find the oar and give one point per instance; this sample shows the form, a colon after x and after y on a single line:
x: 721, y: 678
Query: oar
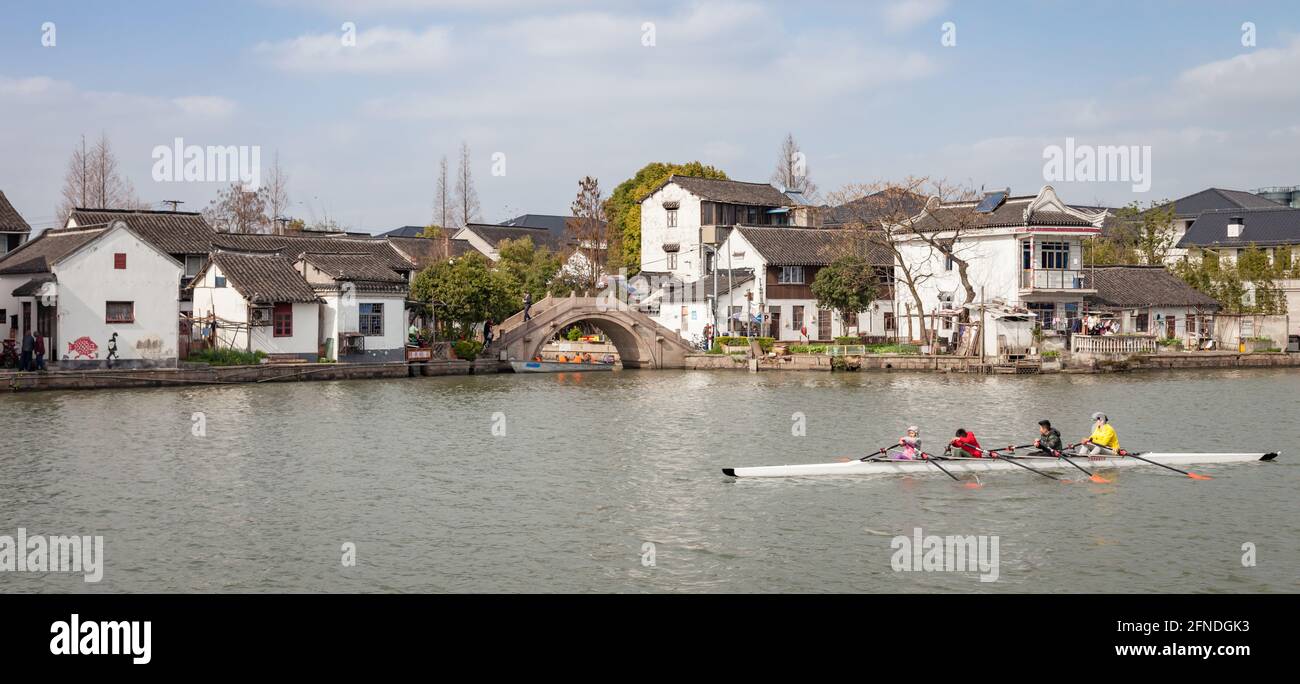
x: 934, y: 461
x: 1194, y: 476
x: 1012, y: 459
x: 1091, y: 476
x: 877, y: 452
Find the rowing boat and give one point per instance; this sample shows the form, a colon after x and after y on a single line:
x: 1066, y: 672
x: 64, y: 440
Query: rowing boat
x: 982, y: 465
x: 558, y: 367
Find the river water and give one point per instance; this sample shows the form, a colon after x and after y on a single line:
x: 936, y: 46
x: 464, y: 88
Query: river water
x: 562, y: 483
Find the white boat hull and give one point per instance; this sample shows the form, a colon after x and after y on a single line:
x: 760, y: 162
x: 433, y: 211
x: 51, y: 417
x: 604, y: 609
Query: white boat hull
x: 558, y: 367
x: 983, y: 465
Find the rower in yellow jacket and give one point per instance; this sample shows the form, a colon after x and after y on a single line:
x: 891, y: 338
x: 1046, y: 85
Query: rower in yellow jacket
x: 1103, y: 441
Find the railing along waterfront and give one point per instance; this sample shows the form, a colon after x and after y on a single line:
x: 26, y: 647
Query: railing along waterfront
x: 1113, y: 344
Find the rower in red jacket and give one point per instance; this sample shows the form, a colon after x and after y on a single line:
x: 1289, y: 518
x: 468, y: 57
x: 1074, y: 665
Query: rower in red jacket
x: 966, y: 442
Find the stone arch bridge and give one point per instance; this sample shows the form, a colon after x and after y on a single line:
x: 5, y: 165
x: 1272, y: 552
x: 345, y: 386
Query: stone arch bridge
x: 640, y: 341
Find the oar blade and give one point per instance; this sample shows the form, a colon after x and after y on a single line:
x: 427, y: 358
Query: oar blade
x: 1100, y: 480
x: 1194, y: 476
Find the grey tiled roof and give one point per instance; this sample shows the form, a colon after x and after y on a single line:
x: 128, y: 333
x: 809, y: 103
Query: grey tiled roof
x: 10, y: 220
x: 294, y: 245
x: 494, y: 234
x: 425, y: 252
x: 173, y: 232
x: 1136, y: 287
x: 33, y: 287
x: 1276, y: 226
x: 813, y: 246
x: 1212, y: 199
x: 36, y: 256
x: 873, y: 208
x: 730, y: 191
x: 353, y: 267
x: 1009, y: 214
x: 264, y: 278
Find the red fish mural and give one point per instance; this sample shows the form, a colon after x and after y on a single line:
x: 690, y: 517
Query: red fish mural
x: 84, y: 347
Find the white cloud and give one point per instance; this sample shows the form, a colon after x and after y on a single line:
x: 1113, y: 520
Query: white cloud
x: 377, y: 50
x: 1263, y: 73
x: 205, y: 106
x: 908, y: 14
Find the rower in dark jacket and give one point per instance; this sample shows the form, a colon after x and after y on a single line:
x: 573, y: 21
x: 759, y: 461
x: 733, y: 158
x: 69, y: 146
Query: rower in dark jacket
x: 1049, y: 438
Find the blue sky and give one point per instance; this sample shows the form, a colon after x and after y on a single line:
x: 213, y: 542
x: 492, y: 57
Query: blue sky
x: 565, y: 89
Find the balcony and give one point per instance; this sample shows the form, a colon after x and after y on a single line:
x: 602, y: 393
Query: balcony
x: 1053, y: 280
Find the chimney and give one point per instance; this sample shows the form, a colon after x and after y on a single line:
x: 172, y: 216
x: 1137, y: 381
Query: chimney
x: 1235, y: 225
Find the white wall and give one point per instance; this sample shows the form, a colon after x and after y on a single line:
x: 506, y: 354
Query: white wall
x: 229, y: 304
x: 655, y: 233
x: 341, y: 313
x: 87, y: 280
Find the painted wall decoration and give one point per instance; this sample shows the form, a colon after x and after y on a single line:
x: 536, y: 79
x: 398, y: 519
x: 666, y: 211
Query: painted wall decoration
x: 112, y: 350
x: 83, y: 347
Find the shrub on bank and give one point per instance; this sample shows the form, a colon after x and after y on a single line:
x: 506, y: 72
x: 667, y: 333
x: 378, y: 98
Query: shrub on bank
x: 227, y: 357
x: 893, y: 349
x: 764, y: 343
x: 467, y: 349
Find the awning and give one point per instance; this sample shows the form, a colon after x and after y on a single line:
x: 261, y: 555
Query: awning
x: 672, y: 204
x: 671, y: 247
x: 40, y: 286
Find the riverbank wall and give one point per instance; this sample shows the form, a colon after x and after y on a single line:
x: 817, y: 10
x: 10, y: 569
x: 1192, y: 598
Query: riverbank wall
x: 202, y: 374
x: 966, y: 364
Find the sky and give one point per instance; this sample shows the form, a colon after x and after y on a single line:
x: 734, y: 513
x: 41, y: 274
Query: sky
x: 545, y: 92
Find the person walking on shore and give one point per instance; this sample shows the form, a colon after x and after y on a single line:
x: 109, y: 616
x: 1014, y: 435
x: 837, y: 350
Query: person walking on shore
x: 29, y: 343
x: 528, y: 306
x: 39, y: 349
x: 487, y: 333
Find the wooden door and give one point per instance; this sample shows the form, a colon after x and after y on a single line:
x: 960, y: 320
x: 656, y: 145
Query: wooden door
x: 823, y: 325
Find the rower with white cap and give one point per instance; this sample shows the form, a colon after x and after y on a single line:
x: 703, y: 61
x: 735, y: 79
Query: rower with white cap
x: 911, y: 445
x: 1103, y: 441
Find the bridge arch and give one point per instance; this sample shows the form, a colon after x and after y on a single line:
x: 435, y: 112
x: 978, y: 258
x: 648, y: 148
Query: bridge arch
x: 640, y: 341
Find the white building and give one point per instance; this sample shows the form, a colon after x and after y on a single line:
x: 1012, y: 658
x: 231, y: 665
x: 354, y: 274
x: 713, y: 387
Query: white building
x: 686, y: 214
x: 363, y: 315
x: 257, y: 302
x: 1023, y: 252
x: 98, y: 295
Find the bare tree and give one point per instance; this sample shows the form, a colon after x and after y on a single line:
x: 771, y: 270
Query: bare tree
x: 883, y: 214
x: 277, y: 194
x: 792, y: 168
x: 236, y: 210
x: 589, y: 230
x: 944, y: 226
x: 442, y: 206
x: 93, y: 180
x: 466, y: 195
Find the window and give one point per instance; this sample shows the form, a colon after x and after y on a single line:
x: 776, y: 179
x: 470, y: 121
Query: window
x: 790, y: 275
x: 1026, y: 255
x: 282, y: 320
x: 672, y: 261
x: 1140, y: 324
x: 796, y: 321
x: 1054, y: 255
x: 947, y: 263
x: 708, y: 262
x: 119, y: 261
x: 672, y: 218
x: 890, y: 325
x: 192, y: 265
x: 220, y: 281
x: 119, y: 312
x: 372, y: 320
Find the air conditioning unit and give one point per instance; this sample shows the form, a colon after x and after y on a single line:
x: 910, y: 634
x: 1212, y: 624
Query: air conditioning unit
x: 259, y: 316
